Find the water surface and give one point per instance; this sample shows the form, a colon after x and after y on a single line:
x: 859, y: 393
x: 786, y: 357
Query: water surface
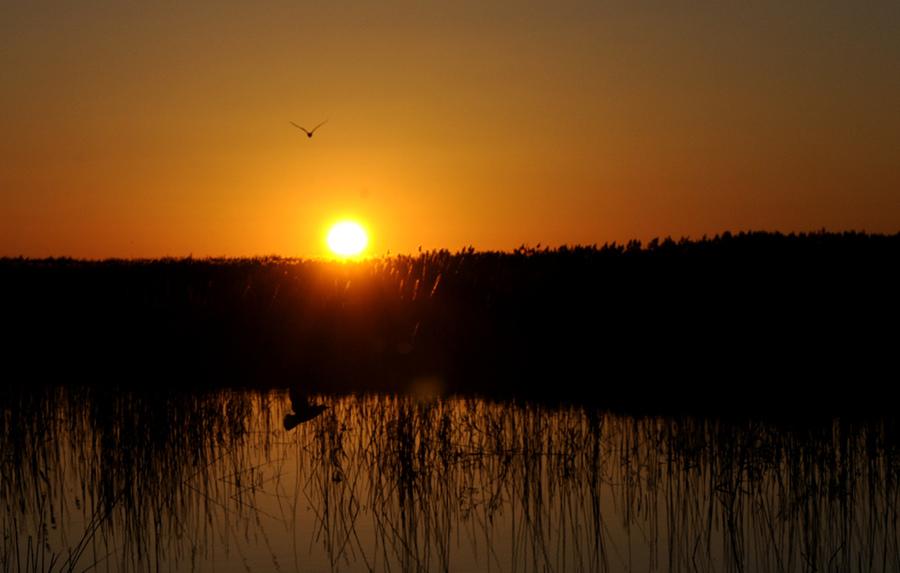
x: 215, y: 482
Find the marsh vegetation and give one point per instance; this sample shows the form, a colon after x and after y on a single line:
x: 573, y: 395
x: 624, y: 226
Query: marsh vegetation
x: 614, y: 325
x: 98, y: 480
x: 650, y: 407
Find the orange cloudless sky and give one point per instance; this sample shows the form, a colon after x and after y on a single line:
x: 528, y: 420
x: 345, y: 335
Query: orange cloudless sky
x: 160, y: 128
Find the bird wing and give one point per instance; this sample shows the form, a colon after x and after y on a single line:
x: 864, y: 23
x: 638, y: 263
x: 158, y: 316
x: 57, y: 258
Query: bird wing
x: 303, y: 129
x: 318, y: 126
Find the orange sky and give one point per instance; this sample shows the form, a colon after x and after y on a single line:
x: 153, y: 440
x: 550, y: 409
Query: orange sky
x: 163, y: 128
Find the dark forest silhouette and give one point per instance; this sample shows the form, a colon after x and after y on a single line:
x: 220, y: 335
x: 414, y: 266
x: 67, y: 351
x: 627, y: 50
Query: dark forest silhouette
x: 674, y: 324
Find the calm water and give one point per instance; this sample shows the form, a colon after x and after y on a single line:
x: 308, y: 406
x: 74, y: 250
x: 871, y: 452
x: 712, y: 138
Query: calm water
x: 216, y: 483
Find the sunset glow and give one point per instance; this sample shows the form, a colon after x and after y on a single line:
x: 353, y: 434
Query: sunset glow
x: 433, y: 269
x: 152, y: 132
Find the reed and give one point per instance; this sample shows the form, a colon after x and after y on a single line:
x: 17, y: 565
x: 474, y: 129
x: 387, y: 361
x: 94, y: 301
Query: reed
x: 131, y: 481
x: 569, y: 323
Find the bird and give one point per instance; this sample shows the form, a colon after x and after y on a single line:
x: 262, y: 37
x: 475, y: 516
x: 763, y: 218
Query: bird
x: 303, y: 409
x: 309, y: 132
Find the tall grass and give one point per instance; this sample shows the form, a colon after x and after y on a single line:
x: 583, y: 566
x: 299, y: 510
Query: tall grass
x: 612, y: 324
x: 131, y: 481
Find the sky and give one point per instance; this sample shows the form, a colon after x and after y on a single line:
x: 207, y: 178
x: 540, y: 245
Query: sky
x: 147, y: 129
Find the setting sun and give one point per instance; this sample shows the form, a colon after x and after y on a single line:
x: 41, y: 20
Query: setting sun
x: 347, y: 239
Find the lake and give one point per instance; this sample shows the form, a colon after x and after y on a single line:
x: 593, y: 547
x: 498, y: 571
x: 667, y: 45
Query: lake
x: 94, y: 479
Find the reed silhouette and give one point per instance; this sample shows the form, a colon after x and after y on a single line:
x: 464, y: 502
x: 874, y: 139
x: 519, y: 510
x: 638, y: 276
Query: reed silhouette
x: 166, y: 480
x: 654, y: 407
x: 769, y: 314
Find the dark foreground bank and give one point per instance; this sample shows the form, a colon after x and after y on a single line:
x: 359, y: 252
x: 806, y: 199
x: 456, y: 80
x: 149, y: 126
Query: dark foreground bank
x: 756, y: 320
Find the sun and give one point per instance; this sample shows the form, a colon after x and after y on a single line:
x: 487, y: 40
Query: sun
x: 347, y: 239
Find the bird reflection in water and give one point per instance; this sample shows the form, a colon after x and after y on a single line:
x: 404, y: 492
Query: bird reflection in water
x: 303, y: 409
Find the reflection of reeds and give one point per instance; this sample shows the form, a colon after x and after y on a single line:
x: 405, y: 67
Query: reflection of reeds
x: 134, y: 481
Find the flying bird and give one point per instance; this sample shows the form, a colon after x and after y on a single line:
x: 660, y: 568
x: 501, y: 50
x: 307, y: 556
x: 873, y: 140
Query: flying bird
x: 309, y: 132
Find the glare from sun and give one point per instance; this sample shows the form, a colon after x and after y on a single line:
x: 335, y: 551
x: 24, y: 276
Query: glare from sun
x: 347, y: 239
